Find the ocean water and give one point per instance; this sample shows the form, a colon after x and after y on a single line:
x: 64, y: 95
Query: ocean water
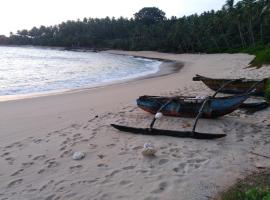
x: 26, y: 70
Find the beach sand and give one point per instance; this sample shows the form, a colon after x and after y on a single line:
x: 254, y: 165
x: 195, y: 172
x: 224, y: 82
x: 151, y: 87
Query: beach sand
x: 39, y: 136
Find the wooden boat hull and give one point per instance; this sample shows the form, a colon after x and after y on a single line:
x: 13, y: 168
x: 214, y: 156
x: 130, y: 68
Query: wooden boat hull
x: 190, y: 106
x: 239, y: 86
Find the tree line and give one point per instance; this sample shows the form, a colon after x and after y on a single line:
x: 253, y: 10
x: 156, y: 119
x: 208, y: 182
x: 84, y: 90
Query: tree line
x: 238, y: 25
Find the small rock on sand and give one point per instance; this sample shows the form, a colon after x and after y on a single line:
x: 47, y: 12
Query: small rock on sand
x: 78, y: 155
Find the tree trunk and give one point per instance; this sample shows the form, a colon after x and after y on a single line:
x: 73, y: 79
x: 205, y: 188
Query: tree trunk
x: 198, y: 41
x: 224, y: 36
x: 226, y: 40
x: 261, y: 32
x: 216, y: 44
x: 251, y: 32
x: 184, y: 46
x: 241, y: 35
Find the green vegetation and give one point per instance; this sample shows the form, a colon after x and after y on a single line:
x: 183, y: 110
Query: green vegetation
x: 257, y: 194
x: 237, y: 26
x: 262, y: 57
x: 267, y: 92
x: 261, y: 52
x: 251, y: 194
x: 255, y: 187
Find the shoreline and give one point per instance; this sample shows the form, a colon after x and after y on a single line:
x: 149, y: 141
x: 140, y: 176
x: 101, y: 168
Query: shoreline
x: 167, y: 67
x: 40, y: 135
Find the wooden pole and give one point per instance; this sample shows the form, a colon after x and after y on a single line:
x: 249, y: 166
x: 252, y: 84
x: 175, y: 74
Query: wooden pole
x: 159, y: 110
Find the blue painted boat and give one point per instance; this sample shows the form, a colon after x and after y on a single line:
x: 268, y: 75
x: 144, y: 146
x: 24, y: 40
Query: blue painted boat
x: 183, y: 106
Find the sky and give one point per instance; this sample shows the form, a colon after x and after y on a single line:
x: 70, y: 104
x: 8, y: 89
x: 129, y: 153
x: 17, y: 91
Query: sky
x: 25, y: 14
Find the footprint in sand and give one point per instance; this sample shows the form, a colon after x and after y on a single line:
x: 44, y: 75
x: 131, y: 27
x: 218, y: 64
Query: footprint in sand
x: 181, y: 167
x: 15, y: 144
x: 67, y: 153
x: 90, y: 181
x: 63, y: 134
x: 163, y: 161
x: 32, y: 190
x: 122, y: 153
x: 75, y: 126
x: 50, y: 197
x: 161, y: 187
x: 137, y: 148
x: 128, y: 167
x: 125, y: 182
x: 75, y: 168
x: 68, y: 196
x: 43, y: 188
x: 110, y: 145
x: 93, y: 146
x: 5, y: 154
x: 37, y: 140
x: 174, y: 150
x: 84, y: 182
x: 40, y: 157
x: 51, y: 163
x: 176, y: 169
x: 113, y: 173
x: 85, y: 140
x: 163, y: 147
x: 61, y: 189
x: 101, y: 156
x: 27, y: 164
x: 63, y: 148
x: 41, y: 171
x: 77, y: 135
x: 191, y: 161
x: 17, y: 172
x: 10, y: 160
x: 141, y: 171
x: 176, y: 156
x: 66, y: 141
x: 15, y: 182
x: 102, y: 165
x: 46, y: 185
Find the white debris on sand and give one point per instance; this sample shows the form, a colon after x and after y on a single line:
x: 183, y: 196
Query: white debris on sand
x: 149, y: 149
x: 78, y: 155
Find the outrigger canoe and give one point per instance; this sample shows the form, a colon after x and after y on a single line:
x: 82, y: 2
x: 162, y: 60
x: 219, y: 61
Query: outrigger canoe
x: 236, y: 86
x: 183, y: 106
x: 208, y: 107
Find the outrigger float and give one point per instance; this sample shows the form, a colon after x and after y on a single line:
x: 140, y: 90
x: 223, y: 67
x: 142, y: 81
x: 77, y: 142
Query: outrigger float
x: 209, y: 107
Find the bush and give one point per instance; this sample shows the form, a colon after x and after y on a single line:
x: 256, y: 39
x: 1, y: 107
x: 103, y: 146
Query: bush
x: 253, y: 187
x: 267, y: 91
x: 262, y: 57
x: 256, y: 194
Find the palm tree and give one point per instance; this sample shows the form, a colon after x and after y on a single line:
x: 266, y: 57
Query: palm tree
x: 249, y: 4
x: 263, y: 16
x: 229, y: 5
x: 234, y: 16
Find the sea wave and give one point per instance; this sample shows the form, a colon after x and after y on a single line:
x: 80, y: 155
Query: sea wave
x: 25, y: 70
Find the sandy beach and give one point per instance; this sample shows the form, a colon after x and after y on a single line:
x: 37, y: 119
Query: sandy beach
x: 39, y: 136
